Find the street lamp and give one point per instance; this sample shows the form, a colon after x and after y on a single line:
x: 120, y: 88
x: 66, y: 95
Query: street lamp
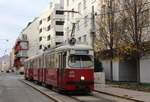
x: 5, y: 40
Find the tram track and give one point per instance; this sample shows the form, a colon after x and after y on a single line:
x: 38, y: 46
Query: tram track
x: 123, y: 97
x: 29, y: 84
x: 57, y: 97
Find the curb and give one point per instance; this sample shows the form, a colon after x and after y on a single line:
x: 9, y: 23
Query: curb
x: 118, y: 96
x: 51, y: 97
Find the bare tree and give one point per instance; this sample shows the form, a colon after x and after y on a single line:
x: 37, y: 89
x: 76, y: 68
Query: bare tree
x: 135, y: 14
x: 108, y: 26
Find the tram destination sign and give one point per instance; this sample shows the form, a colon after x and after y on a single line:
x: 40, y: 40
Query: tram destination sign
x: 81, y: 51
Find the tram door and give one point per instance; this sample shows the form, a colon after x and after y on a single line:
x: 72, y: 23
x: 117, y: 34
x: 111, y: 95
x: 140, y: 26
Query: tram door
x: 61, y: 70
x: 44, y: 70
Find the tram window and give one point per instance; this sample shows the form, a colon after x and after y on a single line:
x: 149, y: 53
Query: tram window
x: 46, y: 61
x: 57, y: 60
x: 31, y: 64
x: 43, y: 61
x: 80, y: 61
x: 52, y: 61
x: 25, y: 65
x: 61, y: 60
x: 39, y: 63
x: 49, y: 61
x: 64, y: 59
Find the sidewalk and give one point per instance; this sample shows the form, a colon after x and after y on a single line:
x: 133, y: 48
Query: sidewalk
x: 126, y: 93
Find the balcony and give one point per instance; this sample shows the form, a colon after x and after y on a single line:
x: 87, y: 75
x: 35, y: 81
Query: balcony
x: 21, y: 45
x: 17, y: 63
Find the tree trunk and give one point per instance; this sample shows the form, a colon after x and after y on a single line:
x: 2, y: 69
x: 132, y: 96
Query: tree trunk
x: 138, y: 69
x: 111, y: 70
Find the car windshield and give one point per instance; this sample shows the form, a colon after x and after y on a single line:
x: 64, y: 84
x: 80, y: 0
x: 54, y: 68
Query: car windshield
x: 80, y: 61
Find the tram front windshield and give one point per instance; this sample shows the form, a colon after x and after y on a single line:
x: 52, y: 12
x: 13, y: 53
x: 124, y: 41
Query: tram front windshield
x: 80, y: 61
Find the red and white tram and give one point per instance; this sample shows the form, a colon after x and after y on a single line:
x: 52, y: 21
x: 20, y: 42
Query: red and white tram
x: 68, y: 67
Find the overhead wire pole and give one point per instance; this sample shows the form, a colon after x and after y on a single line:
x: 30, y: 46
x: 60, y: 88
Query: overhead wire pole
x: 93, y: 29
x: 5, y: 39
x: 73, y: 29
x: 73, y: 24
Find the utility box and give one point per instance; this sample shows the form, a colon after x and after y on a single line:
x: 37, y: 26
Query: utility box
x: 99, y: 79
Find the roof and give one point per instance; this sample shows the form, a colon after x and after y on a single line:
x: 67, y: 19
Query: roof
x: 75, y: 47
x: 66, y: 47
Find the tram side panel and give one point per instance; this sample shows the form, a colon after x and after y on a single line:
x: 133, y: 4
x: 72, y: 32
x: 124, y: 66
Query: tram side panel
x: 35, y: 74
x: 40, y: 75
x: 51, y: 76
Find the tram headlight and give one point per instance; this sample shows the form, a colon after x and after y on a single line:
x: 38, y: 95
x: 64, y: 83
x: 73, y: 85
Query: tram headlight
x: 82, y: 78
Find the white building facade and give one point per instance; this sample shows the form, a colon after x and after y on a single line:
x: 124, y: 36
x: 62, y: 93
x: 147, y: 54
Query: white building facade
x: 83, y: 19
x: 51, y: 24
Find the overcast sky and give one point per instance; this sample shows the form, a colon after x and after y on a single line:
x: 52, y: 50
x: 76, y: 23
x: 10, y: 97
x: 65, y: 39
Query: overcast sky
x: 14, y: 16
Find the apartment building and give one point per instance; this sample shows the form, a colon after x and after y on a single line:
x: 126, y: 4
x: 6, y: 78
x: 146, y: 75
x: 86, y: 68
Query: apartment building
x: 20, y: 50
x: 51, y: 24
x: 31, y: 33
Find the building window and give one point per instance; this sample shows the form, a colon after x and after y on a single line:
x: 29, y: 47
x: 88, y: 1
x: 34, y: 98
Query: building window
x: 85, y: 21
x: 79, y: 39
x: 40, y: 47
x: 84, y: 37
x: 72, y: 13
x: 57, y: 43
x: 49, y: 18
x: 59, y: 12
x: 40, y: 39
x: 79, y: 7
x: 59, y: 33
x: 78, y: 24
x: 24, y: 37
x: 40, y: 30
x: 24, y: 45
x: 68, y: 16
x: 59, y: 22
x: 49, y: 27
x: 84, y: 4
x: 40, y: 22
x: 67, y: 2
x: 48, y: 37
x: 48, y: 46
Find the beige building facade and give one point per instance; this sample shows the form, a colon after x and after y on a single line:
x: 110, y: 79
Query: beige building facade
x: 12, y: 58
x: 31, y: 34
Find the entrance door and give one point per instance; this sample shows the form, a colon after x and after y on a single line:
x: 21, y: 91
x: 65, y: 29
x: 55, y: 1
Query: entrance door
x: 61, y: 70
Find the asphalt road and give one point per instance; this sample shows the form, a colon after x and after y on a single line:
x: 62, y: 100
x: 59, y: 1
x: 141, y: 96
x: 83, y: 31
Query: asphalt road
x: 12, y: 90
